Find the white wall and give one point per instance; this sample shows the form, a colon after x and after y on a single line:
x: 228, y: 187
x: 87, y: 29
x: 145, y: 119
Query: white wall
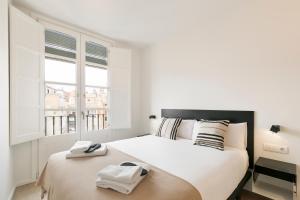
x: 246, y: 59
x: 6, y: 172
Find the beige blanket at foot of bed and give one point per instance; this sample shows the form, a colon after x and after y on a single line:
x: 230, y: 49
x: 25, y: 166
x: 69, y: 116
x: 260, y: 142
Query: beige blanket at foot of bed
x: 75, y: 179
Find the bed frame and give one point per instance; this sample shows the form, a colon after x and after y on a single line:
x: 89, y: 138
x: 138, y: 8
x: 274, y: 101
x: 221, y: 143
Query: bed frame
x: 234, y: 117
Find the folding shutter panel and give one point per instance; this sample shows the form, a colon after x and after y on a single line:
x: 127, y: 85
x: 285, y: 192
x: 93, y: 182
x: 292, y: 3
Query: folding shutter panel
x: 26, y: 78
x: 120, y: 84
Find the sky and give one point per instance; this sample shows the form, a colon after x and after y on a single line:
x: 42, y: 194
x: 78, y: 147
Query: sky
x: 65, y: 72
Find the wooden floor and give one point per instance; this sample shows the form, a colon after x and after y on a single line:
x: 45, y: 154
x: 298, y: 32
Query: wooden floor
x: 27, y: 192
x: 30, y: 192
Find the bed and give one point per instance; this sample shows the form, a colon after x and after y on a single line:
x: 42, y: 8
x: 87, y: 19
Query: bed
x: 180, y: 170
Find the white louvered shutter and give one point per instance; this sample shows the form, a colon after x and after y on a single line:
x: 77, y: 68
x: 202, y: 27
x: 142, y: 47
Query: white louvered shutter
x: 60, y: 44
x: 26, y: 78
x: 120, y: 94
x: 95, y: 53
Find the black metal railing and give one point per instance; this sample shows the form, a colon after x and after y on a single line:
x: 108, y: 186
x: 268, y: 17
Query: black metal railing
x: 66, y: 123
x: 95, y: 122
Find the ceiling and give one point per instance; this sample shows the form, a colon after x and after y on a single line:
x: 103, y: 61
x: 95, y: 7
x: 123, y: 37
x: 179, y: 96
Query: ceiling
x: 141, y: 22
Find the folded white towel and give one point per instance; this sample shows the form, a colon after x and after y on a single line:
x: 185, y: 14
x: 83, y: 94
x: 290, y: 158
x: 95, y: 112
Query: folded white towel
x: 80, y: 146
x: 99, y: 152
x: 121, y: 174
x: 125, y: 188
x: 143, y: 165
x: 120, y: 187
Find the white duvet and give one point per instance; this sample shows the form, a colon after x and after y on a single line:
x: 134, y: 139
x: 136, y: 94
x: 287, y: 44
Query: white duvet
x: 215, y: 174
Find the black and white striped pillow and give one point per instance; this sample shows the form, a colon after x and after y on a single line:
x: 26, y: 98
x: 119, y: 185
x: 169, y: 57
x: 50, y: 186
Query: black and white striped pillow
x: 210, y: 133
x: 168, y: 128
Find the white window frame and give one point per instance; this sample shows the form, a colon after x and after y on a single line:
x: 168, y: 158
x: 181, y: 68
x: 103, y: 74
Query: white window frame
x: 84, y: 39
x: 80, y: 72
x: 49, y: 26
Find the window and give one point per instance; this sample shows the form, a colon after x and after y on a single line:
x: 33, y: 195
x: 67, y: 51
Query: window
x: 96, y: 87
x: 60, y: 83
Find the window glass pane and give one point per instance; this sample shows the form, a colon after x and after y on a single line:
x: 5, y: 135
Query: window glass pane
x: 60, y: 71
x: 60, y: 97
x: 96, y: 105
x: 60, y: 105
x: 96, y: 98
x: 95, y: 76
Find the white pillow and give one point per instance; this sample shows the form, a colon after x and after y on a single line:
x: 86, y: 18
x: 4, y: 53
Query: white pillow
x: 236, y: 136
x: 154, y: 125
x: 168, y: 128
x: 185, y: 129
x: 210, y: 133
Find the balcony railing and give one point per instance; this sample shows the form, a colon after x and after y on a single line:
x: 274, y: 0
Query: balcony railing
x: 95, y: 121
x: 64, y: 123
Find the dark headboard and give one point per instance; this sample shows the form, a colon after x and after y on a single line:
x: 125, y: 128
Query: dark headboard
x: 233, y: 116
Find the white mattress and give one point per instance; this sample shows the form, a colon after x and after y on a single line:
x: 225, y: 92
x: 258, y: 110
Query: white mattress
x: 215, y: 174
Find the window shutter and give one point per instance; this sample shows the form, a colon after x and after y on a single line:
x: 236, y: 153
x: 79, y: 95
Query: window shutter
x: 26, y: 78
x: 60, y: 44
x: 96, y: 53
x: 120, y: 94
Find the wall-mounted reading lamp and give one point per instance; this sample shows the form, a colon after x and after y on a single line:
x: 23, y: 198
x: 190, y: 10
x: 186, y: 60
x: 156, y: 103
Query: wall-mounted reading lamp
x: 275, y: 128
x: 152, y: 117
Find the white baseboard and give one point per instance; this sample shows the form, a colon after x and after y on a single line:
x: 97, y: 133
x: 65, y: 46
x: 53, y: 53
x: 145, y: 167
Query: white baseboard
x: 20, y: 183
x: 11, y: 195
x: 24, y: 182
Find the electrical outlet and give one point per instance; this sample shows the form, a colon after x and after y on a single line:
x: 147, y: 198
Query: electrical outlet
x: 276, y: 148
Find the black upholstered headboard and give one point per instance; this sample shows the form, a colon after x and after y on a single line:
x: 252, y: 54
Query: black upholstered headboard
x: 233, y: 116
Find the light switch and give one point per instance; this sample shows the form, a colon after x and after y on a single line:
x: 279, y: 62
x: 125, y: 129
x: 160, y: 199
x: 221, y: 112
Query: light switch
x: 276, y: 148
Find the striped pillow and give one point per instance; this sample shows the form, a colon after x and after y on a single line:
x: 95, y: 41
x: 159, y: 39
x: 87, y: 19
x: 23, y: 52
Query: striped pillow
x: 210, y: 133
x: 168, y: 128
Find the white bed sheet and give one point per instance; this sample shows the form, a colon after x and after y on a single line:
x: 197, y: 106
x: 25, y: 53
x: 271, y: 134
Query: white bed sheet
x: 215, y: 174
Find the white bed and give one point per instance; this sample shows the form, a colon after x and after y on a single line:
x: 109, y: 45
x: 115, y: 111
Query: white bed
x: 215, y: 174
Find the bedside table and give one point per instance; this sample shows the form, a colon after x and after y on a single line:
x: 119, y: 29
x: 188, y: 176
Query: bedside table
x: 277, y: 169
